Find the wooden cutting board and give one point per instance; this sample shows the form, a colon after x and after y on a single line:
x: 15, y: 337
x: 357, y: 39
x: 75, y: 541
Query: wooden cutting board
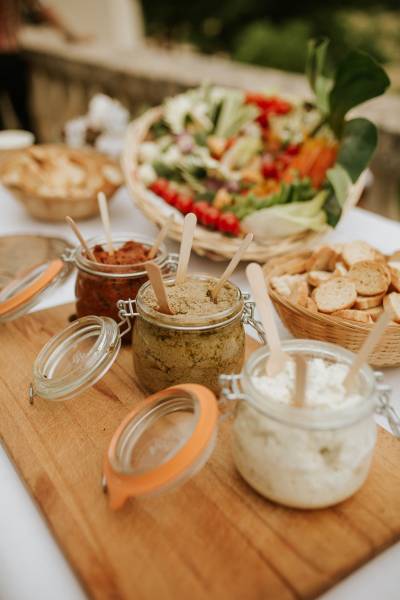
x: 213, y: 538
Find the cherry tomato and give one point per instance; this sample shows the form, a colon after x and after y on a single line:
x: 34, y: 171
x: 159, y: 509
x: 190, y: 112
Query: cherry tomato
x: 283, y: 161
x: 269, y: 169
x: 281, y: 107
x: 159, y: 186
x: 292, y: 149
x: 184, y: 204
x: 229, y: 223
x: 262, y: 120
x: 170, y: 196
x: 199, y: 209
x: 211, y: 216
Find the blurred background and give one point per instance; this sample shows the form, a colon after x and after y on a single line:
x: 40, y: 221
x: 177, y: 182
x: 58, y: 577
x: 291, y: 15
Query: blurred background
x: 140, y: 52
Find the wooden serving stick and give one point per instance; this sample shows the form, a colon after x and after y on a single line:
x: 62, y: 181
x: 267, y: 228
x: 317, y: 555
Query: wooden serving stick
x: 277, y: 358
x: 236, y: 258
x: 189, y: 225
x: 369, y: 344
x: 162, y: 234
x: 300, y: 381
x: 157, y: 283
x: 80, y: 237
x: 105, y: 217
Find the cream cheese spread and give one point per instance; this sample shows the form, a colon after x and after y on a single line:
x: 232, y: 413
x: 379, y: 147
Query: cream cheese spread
x: 298, y: 463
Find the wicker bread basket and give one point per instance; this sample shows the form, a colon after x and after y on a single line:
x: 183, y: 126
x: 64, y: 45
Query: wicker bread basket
x: 302, y: 323
x: 78, y: 205
x: 209, y: 243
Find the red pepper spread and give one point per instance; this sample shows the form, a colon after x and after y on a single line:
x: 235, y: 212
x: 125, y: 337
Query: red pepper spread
x: 128, y: 254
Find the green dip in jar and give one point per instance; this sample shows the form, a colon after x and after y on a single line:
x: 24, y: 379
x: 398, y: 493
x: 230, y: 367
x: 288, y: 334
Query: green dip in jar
x: 200, y: 341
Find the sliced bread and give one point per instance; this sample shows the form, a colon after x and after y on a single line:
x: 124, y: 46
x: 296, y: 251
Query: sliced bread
x: 375, y: 312
x: 322, y: 259
x: 299, y: 294
x: 394, y: 269
x: 353, y: 315
x: 315, y: 278
x: 336, y: 294
x: 370, y: 277
x: 365, y: 302
x: 284, y: 284
x: 354, y: 252
x: 391, y: 303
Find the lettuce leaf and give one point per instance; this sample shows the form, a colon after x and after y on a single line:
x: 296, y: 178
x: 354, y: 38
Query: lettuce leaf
x: 288, y: 219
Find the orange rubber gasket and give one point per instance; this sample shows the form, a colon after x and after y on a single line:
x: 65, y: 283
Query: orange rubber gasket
x: 31, y: 290
x: 122, y: 486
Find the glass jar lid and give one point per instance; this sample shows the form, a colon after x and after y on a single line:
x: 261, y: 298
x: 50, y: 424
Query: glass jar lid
x: 76, y: 358
x: 25, y: 290
x: 164, y: 441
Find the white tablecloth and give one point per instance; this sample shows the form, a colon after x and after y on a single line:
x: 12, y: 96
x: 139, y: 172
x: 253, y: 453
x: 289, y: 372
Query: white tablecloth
x: 31, y: 565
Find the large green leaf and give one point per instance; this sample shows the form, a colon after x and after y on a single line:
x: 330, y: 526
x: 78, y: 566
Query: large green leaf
x: 358, y: 79
x: 357, y: 145
x: 316, y: 72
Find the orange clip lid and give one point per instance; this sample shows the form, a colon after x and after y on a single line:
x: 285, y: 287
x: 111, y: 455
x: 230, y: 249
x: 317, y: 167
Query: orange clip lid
x: 168, y: 456
x: 31, y: 288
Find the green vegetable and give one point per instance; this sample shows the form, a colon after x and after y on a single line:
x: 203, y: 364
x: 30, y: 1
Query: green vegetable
x: 166, y: 171
x: 298, y: 191
x: 340, y: 182
x: 234, y: 114
x: 316, y: 73
x: 338, y: 188
x: 242, y: 152
x: 288, y: 219
x: 358, y: 143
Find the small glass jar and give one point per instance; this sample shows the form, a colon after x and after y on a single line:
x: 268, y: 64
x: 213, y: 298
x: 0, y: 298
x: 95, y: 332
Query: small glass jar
x: 99, y: 286
x: 172, y: 349
x: 303, y: 457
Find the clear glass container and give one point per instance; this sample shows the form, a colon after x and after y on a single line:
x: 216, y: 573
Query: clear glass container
x: 171, y: 349
x: 99, y: 286
x: 303, y: 457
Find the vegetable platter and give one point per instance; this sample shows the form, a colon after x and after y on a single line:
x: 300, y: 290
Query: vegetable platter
x: 284, y: 169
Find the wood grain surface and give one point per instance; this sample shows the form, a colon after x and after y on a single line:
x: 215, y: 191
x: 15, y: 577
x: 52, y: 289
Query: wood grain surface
x: 213, y: 538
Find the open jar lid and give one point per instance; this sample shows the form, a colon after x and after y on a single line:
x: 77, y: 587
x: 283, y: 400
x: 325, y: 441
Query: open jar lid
x: 163, y: 441
x: 23, y: 292
x: 76, y: 358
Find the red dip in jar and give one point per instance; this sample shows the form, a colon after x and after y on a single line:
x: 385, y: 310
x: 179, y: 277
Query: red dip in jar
x: 113, y: 277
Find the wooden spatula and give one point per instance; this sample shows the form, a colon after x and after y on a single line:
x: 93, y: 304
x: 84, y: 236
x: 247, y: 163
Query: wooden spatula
x: 235, y: 260
x: 369, y: 344
x: 277, y: 359
x: 157, y: 283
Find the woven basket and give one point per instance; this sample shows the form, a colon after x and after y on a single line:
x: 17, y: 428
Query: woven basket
x: 302, y: 323
x: 207, y: 243
x: 56, y: 208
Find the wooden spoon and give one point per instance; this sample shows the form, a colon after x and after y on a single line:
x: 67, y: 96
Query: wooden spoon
x: 236, y: 258
x: 80, y: 237
x: 277, y: 358
x: 105, y: 217
x: 157, y: 283
x: 162, y: 234
x: 301, y: 381
x: 189, y: 225
x: 369, y: 344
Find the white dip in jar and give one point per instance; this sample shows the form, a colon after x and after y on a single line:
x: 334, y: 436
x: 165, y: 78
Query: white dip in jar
x: 312, y: 456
